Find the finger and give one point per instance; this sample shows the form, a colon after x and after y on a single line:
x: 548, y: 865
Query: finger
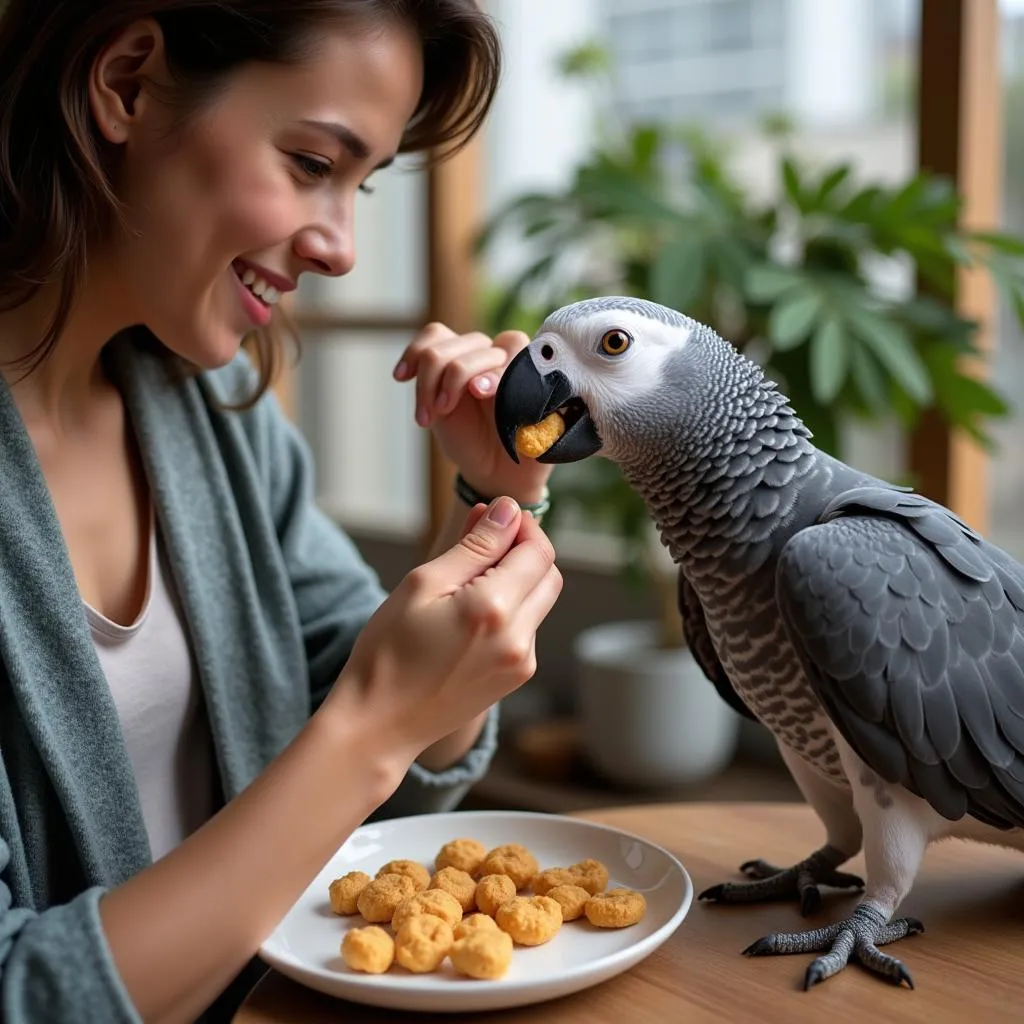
x: 480, y: 548
x: 432, y: 364
x: 509, y: 342
x: 537, y: 605
x: 476, y: 513
x: 512, y: 342
x: 430, y: 334
x: 472, y: 368
x: 531, y: 530
x: 497, y: 595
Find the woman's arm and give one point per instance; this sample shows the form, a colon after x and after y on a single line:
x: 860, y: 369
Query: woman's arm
x: 454, y: 638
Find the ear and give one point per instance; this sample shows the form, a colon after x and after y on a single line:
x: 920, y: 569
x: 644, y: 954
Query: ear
x: 117, y: 94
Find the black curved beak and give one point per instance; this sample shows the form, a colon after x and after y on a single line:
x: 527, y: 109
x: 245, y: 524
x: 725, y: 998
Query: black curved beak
x: 526, y: 396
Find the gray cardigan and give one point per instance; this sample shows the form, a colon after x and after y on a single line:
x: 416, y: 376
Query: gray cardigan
x: 274, y: 595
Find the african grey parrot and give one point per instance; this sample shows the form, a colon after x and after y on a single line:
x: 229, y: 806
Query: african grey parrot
x: 877, y: 636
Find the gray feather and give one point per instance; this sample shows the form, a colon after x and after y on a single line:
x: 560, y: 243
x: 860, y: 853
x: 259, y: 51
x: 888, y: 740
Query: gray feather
x: 953, y: 697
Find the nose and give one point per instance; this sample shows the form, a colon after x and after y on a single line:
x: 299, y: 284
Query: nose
x: 327, y: 249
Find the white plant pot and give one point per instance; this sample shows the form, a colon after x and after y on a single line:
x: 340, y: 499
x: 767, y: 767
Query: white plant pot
x: 648, y: 715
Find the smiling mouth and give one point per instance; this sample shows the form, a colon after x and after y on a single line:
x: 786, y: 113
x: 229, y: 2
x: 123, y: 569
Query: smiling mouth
x: 263, y: 291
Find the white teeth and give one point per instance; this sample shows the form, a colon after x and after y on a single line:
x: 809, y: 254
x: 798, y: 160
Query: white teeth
x: 260, y: 288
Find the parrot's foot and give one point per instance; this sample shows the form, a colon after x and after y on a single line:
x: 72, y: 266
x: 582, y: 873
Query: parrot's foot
x: 859, y: 936
x: 799, y: 882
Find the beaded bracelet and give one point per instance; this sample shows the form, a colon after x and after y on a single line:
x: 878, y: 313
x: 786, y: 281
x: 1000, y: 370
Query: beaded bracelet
x: 472, y: 497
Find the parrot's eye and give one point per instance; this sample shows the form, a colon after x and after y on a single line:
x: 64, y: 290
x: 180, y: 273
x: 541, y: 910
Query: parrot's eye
x: 615, y: 342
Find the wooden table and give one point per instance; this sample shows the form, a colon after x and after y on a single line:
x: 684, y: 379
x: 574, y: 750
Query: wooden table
x: 968, y: 964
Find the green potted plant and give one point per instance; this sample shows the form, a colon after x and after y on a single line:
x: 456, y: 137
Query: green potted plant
x: 793, y: 281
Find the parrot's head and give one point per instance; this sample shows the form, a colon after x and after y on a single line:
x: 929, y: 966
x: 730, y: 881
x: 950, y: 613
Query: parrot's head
x: 625, y: 375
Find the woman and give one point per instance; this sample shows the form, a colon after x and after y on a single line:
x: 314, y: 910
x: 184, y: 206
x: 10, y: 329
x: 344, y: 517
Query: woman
x: 202, y: 693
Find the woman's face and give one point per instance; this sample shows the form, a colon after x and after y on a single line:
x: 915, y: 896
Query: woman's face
x: 259, y: 187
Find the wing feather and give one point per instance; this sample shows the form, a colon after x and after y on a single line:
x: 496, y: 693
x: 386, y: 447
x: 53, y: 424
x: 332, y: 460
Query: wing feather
x: 913, y: 639
x: 695, y: 629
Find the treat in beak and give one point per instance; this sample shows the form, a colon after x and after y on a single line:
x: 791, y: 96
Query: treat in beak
x: 539, y: 412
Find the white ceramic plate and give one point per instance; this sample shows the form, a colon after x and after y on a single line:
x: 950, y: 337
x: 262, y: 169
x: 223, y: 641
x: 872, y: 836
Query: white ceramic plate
x: 305, y: 945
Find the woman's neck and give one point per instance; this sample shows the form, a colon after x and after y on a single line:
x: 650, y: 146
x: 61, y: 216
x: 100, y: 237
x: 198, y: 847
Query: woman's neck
x: 64, y: 387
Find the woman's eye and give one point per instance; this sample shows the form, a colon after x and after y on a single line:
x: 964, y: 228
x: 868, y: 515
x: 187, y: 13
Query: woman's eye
x: 311, y: 166
x: 368, y: 189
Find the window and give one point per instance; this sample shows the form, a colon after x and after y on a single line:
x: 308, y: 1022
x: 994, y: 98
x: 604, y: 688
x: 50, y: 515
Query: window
x: 371, y: 470
x: 368, y: 451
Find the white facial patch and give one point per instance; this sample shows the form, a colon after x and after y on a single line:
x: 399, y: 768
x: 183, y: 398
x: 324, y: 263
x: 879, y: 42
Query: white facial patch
x: 606, y: 382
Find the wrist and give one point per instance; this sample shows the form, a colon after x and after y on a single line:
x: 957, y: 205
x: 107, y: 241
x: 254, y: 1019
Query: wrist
x: 345, y: 724
x: 451, y: 749
x: 535, y: 501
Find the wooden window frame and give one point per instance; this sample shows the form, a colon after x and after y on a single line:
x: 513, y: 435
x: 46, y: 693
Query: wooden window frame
x: 960, y: 135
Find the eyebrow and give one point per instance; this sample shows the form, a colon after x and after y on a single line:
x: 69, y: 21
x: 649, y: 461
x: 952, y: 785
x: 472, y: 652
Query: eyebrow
x: 348, y: 138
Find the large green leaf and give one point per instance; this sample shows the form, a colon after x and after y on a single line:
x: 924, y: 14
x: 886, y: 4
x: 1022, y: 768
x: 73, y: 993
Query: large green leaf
x: 930, y: 319
x: 792, y: 184
x: 767, y: 282
x: 1009, y: 244
x: 829, y: 359
x: 891, y: 343
x: 864, y: 204
x: 962, y: 396
x: 732, y: 260
x: 831, y: 181
x: 610, y: 191
x: 868, y: 377
x: 677, y: 273
x: 792, y: 318
x: 646, y: 146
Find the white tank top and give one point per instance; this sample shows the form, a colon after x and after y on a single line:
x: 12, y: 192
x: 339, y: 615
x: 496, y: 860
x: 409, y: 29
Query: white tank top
x: 152, y: 678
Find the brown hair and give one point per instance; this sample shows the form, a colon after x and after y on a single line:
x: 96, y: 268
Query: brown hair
x: 56, y: 196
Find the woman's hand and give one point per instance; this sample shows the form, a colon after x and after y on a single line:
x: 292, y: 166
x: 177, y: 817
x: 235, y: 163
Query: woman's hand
x: 456, y: 636
x: 456, y: 377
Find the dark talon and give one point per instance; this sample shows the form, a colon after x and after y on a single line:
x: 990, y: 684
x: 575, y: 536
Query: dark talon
x: 810, y: 901
x: 759, y: 869
x: 903, y: 974
x: 813, y: 976
x: 760, y: 948
x: 714, y: 893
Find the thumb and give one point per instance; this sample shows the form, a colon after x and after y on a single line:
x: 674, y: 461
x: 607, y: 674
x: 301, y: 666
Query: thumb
x: 476, y: 513
x: 484, y: 544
